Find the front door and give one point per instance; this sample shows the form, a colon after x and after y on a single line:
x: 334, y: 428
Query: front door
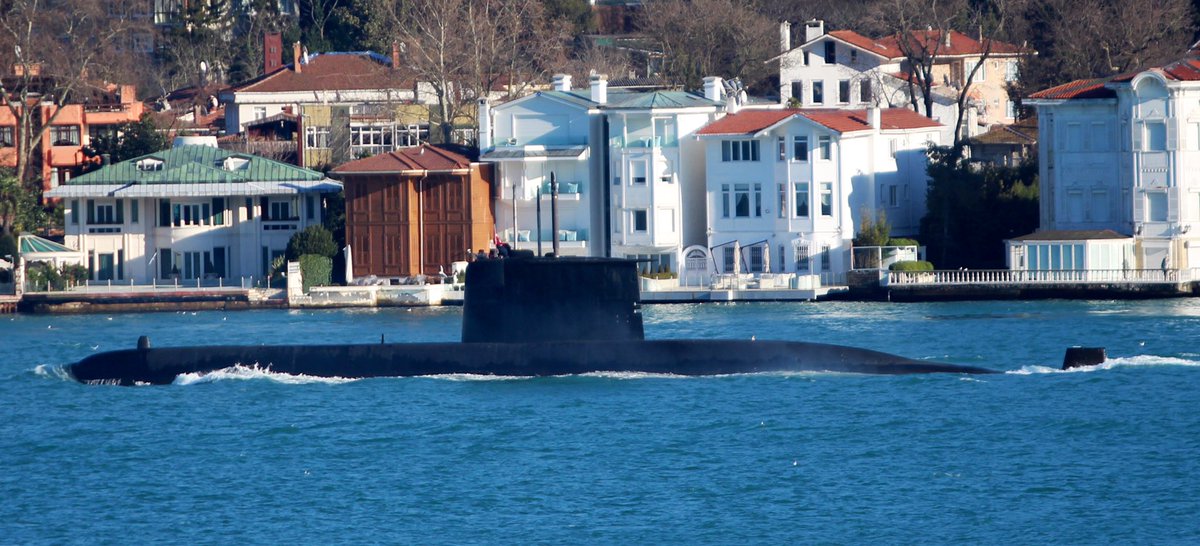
x: 105, y: 272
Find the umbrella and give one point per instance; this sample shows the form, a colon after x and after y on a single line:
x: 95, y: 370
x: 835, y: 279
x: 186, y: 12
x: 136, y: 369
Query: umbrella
x: 349, y: 266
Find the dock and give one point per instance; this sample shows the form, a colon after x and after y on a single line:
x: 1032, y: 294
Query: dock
x: 8, y: 304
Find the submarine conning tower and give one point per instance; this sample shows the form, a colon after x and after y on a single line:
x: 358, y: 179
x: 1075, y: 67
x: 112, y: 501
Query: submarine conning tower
x: 521, y: 300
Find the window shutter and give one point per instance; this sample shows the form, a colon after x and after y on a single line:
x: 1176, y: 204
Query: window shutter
x: 1173, y: 204
x: 120, y: 206
x: 1137, y: 137
x: 1172, y: 134
x: 1139, y: 206
x: 164, y: 212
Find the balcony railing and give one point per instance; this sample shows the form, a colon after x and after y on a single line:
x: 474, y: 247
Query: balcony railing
x: 997, y: 277
x: 618, y: 142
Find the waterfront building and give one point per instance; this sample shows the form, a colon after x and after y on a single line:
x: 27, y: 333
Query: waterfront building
x: 787, y: 189
x: 415, y: 211
x: 844, y: 69
x: 59, y: 151
x: 345, y: 105
x: 1118, y: 155
x: 193, y: 212
x: 630, y: 174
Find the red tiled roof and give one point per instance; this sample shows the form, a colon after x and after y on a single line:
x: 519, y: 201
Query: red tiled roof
x: 331, y: 71
x: 418, y: 158
x: 867, y: 44
x: 749, y: 122
x: 1078, y: 89
x: 746, y: 122
x: 960, y: 44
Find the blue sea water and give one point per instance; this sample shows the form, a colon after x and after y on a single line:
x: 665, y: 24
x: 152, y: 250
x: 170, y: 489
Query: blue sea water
x: 1109, y: 454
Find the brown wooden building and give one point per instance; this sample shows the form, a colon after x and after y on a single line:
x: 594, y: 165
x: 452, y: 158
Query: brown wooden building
x: 412, y: 210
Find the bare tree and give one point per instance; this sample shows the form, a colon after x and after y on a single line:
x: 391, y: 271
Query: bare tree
x: 712, y: 38
x: 1078, y: 39
x: 465, y: 49
x: 58, y: 47
x: 923, y: 30
x: 436, y: 43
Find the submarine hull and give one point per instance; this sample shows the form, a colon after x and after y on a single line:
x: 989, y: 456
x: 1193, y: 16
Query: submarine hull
x: 678, y: 357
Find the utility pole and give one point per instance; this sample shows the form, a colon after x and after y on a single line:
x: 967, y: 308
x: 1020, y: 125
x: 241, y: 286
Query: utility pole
x: 554, y: 213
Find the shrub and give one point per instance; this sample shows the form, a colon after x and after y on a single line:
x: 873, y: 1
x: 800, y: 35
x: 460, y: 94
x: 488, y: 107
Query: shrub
x: 8, y: 246
x: 901, y: 241
x: 912, y: 266
x: 316, y: 270
x: 43, y: 276
x: 276, y: 277
x: 75, y: 273
x: 313, y: 240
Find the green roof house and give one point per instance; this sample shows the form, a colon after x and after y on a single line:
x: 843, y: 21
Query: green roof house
x: 194, y: 212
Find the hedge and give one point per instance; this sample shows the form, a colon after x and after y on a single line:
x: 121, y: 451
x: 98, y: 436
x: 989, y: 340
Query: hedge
x: 912, y: 266
x: 901, y: 241
x: 316, y: 270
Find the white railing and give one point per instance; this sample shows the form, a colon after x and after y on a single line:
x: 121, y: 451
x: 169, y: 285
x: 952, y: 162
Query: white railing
x: 128, y: 286
x: 1010, y: 277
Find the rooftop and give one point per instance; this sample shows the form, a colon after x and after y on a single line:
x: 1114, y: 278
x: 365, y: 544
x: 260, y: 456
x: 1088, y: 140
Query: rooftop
x: 330, y: 72
x: 418, y: 159
x: 749, y: 122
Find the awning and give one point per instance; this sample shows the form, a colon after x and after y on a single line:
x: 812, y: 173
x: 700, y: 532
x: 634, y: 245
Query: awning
x: 572, y: 152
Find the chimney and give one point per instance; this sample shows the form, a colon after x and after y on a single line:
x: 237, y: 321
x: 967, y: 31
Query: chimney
x: 813, y: 29
x: 874, y: 117
x: 599, y: 83
x: 395, y: 54
x: 946, y: 39
x: 272, y: 52
x: 485, y: 125
x: 296, y: 57
x: 713, y: 88
x: 562, y: 82
x: 785, y: 36
x: 733, y: 103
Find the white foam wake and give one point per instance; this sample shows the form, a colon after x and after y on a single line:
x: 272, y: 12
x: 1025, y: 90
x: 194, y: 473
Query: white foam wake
x: 51, y: 371
x: 240, y: 372
x: 1129, y: 361
x: 475, y: 377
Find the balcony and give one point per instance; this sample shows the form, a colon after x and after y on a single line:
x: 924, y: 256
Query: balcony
x: 643, y: 142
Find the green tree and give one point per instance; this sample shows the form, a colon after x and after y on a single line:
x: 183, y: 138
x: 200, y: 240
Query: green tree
x: 973, y: 209
x: 132, y: 139
x: 873, y: 231
x: 8, y: 245
x: 313, y: 240
x: 19, y: 208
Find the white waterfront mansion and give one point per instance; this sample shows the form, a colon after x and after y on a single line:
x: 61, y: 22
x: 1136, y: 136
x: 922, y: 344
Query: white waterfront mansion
x: 844, y: 69
x: 630, y: 178
x: 191, y: 213
x: 786, y: 189
x: 1119, y: 173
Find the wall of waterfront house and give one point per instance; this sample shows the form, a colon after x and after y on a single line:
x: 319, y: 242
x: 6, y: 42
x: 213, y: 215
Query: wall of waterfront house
x: 229, y: 237
x: 1129, y: 164
x: 536, y: 124
x: 822, y: 200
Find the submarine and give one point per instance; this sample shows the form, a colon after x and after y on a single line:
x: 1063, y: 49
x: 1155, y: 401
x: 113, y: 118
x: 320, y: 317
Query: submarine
x: 522, y: 317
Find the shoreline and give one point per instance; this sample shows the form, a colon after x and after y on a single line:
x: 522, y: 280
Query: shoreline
x: 346, y: 297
